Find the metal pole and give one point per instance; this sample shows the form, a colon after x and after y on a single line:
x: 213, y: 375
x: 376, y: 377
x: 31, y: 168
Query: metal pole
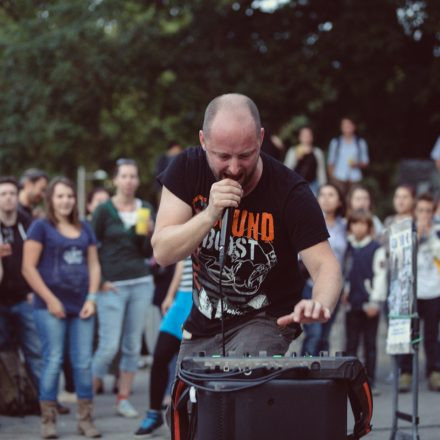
x: 81, y: 191
x: 396, y: 372
x: 416, y: 339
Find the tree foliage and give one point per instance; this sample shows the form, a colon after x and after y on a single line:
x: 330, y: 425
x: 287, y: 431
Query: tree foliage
x: 87, y: 81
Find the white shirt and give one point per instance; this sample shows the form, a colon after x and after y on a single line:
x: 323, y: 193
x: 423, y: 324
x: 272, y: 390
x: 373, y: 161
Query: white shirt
x: 428, y: 266
x: 129, y: 217
x: 435, y: 153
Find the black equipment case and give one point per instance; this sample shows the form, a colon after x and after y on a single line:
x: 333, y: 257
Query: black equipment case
x: 261, y: 398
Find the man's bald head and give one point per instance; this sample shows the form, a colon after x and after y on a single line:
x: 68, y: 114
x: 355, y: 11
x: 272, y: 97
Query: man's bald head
x: 237, y: 106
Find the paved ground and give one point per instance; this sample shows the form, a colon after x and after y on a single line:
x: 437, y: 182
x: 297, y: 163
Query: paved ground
x: 117, y: 428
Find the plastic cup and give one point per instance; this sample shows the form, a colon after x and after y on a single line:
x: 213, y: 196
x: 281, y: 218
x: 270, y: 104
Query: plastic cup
x: 142, y: 221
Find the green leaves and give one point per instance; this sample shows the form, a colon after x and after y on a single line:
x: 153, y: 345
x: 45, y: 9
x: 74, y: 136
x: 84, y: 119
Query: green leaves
x: 83, y: 82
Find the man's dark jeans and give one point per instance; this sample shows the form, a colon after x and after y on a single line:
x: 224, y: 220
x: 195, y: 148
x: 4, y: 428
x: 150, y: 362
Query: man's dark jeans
x: 429, y: 312
x: 357, y: 325
x: 260, y: 333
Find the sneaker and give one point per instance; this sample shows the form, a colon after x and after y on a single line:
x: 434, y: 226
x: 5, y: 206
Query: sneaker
x: 405, y: 381
x: 151, y: 422
x: 434, y: 381
x: 126, y: 409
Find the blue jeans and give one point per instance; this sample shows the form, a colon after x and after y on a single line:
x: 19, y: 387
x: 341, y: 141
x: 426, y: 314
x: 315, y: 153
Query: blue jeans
x: 54, y: 334
x: 121, y: 318
x: 17, y: 326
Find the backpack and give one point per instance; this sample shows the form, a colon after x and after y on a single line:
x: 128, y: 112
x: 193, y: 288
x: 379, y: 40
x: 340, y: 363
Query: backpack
x: 18, y: 395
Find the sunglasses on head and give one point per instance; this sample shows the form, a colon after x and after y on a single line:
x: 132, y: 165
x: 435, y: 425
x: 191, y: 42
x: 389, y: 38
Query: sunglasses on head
x: 123, y: 161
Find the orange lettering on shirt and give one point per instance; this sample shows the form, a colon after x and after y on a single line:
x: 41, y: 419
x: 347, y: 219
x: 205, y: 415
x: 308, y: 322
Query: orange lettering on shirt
x: 252, y: 230
x: 238, y: 230
x: 267, y: 227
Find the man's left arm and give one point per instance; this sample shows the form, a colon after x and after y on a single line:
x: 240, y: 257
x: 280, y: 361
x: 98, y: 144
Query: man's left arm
x: 325, y: 272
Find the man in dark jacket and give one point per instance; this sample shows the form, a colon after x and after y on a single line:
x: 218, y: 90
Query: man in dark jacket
x: 16, y: 319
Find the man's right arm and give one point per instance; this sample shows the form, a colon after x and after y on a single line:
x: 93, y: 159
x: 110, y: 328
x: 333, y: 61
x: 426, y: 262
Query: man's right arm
x: 177, y: 233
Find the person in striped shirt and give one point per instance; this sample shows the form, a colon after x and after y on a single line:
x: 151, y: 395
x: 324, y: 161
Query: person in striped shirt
x: 176, y: 307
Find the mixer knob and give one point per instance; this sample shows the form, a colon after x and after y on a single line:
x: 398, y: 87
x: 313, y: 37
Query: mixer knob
x: 323, y: 353
x: 340, y: 354
x: 262, y: 353
x: 316, y: 366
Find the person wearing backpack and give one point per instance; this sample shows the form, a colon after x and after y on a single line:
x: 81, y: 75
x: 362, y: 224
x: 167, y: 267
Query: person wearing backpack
x: 348, y: 156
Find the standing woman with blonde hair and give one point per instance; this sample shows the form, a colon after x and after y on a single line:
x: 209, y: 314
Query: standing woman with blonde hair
x: 123, y: 227
x: 60, y: 263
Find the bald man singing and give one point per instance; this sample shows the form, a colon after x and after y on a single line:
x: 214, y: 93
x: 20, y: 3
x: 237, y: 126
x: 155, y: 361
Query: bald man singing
x: 275, y: 217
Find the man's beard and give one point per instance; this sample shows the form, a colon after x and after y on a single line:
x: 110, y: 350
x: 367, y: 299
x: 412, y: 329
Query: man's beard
x: 244, y: 178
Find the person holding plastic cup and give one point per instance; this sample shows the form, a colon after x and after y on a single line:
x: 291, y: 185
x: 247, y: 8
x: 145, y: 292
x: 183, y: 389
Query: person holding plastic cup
x: 123, y: 227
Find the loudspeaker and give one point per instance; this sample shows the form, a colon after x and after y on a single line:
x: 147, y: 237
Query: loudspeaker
x: 281, y: 409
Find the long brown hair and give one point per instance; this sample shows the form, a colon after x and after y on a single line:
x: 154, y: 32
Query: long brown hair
x: 73, y: 216
x: 340, y: 210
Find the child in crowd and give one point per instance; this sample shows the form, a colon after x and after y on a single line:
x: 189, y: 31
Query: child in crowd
x: 359, y: 197
x: 332, y: 204
x: 365, y: 288
x: 403, y: 202
x: 428, y: 293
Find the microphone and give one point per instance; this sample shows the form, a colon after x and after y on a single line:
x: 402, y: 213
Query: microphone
x: 224, y: 233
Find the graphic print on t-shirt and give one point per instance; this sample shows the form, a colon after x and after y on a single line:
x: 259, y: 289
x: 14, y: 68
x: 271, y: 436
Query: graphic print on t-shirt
x: 69, y: 271
x: 73, y: 255
x: 249, y: 258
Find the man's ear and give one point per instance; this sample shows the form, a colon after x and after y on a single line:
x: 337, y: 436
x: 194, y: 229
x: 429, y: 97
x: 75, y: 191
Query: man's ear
x: 202, y: 139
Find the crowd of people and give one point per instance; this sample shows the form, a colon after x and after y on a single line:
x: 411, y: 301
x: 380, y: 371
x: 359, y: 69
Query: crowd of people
x: 359, y: 239
x: 59, y: 272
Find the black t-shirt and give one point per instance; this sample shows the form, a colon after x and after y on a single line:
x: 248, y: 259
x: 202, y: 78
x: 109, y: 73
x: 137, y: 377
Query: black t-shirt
x: 25, y: 210
x: 13, y: 287
x: 279, y: 218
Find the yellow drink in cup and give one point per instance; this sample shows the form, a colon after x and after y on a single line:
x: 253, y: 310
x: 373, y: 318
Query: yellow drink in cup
x: 142, y: 221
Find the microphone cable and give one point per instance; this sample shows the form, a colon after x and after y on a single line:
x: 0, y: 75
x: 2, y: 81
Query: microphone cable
x: 221, y: 259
